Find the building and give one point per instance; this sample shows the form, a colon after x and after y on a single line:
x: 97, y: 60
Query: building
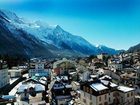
x: 38, y: 68
x: 31, y: 91
x: 104, y: 92
x: 4, y: 77
x: 126, y: 95
x: 84, y: 76
x: 63, y: 67
x: 102, y: 56
x: 115, y: 66
x: 97, y: 93
x: 61, y: 91
x: 83, y: 73
x: 13, y: 73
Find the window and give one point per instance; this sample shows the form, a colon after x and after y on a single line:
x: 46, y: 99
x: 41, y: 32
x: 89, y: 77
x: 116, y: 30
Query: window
x: 90, y: 91
x: 84, y: 100
x: 109, y: 99
x: 87, y: 90
x: 114, y: 100
x: 132, y: 101
x: 84, y: 94
x: 131, y: 93
x: 91, y: 103
x: 84, y: 88
x: 105, y: 97
x: 90, y: 97
x: 127, y: 94
x: 114, y: 94
x: 105, y: 103
x: 100, y: 98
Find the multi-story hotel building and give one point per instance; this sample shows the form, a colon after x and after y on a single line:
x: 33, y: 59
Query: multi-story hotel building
x: 103, y: 92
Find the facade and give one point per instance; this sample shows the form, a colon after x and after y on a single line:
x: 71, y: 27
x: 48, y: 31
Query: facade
x: 63, y: 67
x: 4, y: 77
x: 98, y: 94
x: 31, y: 92
x: 126, y: 95
x: 101, y: 56
x: 61, y: 91
x: 115, y: 63
x: 38, y: 69
x: 116, y: 66
x: 103, y: 92
x: 84, y: 76
x: 15, y: 73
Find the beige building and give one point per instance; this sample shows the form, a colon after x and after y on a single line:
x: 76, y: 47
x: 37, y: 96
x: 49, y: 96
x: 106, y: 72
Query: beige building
x: 126, y: 95
x: 116, y: 66
x: 106, y: 93
x: 98, y: 93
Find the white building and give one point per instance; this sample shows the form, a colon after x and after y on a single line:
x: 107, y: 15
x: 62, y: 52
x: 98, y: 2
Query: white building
x: 38, y: 69
x: 15, y: 73
x: 101, y: 56
x: 84, y: 76
x: 116, y: 66
x: 83, y: 72
x: 4, y: 78
x: 31, y: 92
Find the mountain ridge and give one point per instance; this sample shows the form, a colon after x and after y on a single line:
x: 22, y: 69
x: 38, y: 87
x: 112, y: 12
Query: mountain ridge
x: 50, y: 40
x: 134, y: 48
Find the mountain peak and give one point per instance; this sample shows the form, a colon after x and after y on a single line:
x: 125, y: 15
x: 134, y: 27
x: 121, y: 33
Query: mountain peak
x: 7, y: 14
x: 10, y: 16
x: 58, y: 27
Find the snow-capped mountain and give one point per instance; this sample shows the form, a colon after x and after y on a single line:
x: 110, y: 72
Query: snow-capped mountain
x: 40, y: 39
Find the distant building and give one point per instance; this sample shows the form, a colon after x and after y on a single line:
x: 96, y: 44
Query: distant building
x: 38, y: 68
x: 63, y: 67
x: 101, y: 56
x: 15, y: 73
x: 84, y: 76
x: 4, y: 77
x: 115, y: 64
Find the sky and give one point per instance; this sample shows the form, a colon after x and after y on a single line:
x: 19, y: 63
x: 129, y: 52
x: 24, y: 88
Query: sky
x: 114, y: 23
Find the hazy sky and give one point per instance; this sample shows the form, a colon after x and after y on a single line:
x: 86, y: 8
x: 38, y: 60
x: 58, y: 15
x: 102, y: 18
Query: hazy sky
x: 114, y: 23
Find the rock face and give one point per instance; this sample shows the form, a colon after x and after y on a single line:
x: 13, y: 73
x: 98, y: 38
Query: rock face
x: 33, y: 39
